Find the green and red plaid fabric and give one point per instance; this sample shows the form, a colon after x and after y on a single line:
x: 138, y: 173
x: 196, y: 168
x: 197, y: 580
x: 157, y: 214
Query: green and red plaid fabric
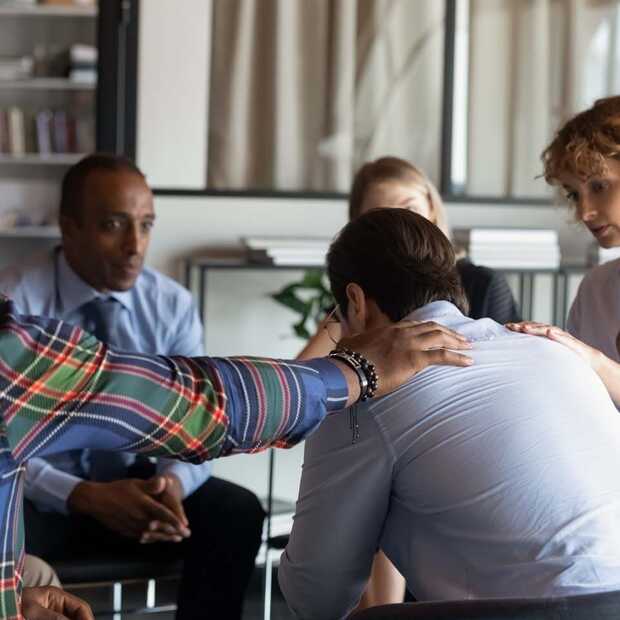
x: 60, y: 389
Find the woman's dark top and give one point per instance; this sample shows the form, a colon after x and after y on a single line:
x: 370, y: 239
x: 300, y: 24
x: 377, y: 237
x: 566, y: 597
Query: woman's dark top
x: 488, y: 293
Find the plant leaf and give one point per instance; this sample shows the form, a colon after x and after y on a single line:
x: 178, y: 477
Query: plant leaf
x: 313, y: 279
x: 317, y: 300
x: 288, y: 299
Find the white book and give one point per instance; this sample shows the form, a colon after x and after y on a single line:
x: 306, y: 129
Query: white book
x: 301, y: 261
x: 263, y: 243
x: 520, y: 264
x: 521, y: 245
x: 514, y: 254
x: 297, y: 256
x: 507, y: 235
x: 486, y: 256
x: 17, y: 131
x: 284, y: 257
x: 83, y: 76
x: 83, y: 54
x: 510, y: 251
x: 293, y: 251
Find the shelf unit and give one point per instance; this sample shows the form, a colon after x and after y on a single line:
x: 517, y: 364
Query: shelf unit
x: 30, y: 232
x: 35, y: 159
x: 30, y: 182
x: 45, y: 84
x: 41, y: 10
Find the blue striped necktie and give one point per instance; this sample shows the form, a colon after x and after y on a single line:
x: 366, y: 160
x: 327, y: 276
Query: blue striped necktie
x: 100, y: 317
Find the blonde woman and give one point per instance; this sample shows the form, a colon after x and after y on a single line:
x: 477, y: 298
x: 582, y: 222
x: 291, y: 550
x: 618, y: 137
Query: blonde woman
x: 395, y: 183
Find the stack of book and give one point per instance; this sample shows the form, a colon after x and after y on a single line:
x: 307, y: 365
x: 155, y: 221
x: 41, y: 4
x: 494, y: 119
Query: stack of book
x: 45, y: 132
x: 510, y: 248
x: 12, y: 131
x: 83, y: 64
x: 286, y: 251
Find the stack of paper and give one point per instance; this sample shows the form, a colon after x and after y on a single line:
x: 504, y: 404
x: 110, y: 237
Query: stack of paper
x: 511, y: 248
x: 12, y: 68
x: 83, y: 64
x: 287, y: 251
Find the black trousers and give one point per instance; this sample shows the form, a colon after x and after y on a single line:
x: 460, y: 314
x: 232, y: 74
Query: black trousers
x: 226, y: 524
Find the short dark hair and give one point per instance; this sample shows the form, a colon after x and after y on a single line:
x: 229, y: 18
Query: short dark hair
x: 399, y: 259
x: 74, y: 181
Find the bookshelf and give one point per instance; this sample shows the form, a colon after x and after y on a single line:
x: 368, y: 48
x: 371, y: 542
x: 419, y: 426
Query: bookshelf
x: 35, y: 159
x: 48, y: 92
x: 30, y: 232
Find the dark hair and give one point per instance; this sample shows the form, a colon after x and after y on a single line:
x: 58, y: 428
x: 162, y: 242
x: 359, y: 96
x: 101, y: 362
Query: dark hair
x: 399, y: 259
x: 74, y: 181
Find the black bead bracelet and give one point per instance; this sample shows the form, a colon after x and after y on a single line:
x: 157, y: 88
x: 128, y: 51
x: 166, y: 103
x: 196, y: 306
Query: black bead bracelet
x: 365, y: 371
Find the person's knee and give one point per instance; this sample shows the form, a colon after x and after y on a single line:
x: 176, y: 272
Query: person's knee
x: 39, y: 573
x: 229, y: 504
x: 244, y: 502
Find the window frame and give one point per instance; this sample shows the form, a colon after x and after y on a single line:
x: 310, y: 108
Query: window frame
x: 119, y: 133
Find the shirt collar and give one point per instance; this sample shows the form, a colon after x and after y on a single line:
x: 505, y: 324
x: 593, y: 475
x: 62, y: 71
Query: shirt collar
x: 73, y: 292
x: 438, y: 311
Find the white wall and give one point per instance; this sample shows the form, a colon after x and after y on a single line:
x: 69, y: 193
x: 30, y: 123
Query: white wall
x: 173, y: 60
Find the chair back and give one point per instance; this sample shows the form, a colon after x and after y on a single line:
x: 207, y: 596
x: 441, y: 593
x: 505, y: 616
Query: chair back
x: 600, y: 606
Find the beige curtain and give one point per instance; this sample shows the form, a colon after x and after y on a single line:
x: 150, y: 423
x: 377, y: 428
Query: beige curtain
x: 533, y: 64
x: 304, y: 91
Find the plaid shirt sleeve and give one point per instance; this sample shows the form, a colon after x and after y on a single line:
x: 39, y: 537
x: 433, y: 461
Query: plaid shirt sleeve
x: 61, y: 389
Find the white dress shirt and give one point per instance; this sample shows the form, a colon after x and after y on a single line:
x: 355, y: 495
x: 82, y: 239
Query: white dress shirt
x: 500, y: 479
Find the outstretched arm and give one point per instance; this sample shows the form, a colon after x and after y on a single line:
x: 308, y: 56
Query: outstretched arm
x: 61, y: 389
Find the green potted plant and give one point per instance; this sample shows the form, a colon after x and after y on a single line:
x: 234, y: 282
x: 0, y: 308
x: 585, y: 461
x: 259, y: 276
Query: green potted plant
x: 310, y: 298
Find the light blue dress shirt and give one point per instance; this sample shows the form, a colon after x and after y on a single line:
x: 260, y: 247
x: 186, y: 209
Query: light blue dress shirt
x: 496, y: 480
x: 158, y: 316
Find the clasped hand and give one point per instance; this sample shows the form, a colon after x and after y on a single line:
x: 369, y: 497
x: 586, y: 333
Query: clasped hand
x: 148, y: 510
x: 49, y: 603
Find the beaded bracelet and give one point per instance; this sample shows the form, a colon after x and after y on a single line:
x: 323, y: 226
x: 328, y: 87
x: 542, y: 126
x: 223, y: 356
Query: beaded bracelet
x: 365, y: 371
